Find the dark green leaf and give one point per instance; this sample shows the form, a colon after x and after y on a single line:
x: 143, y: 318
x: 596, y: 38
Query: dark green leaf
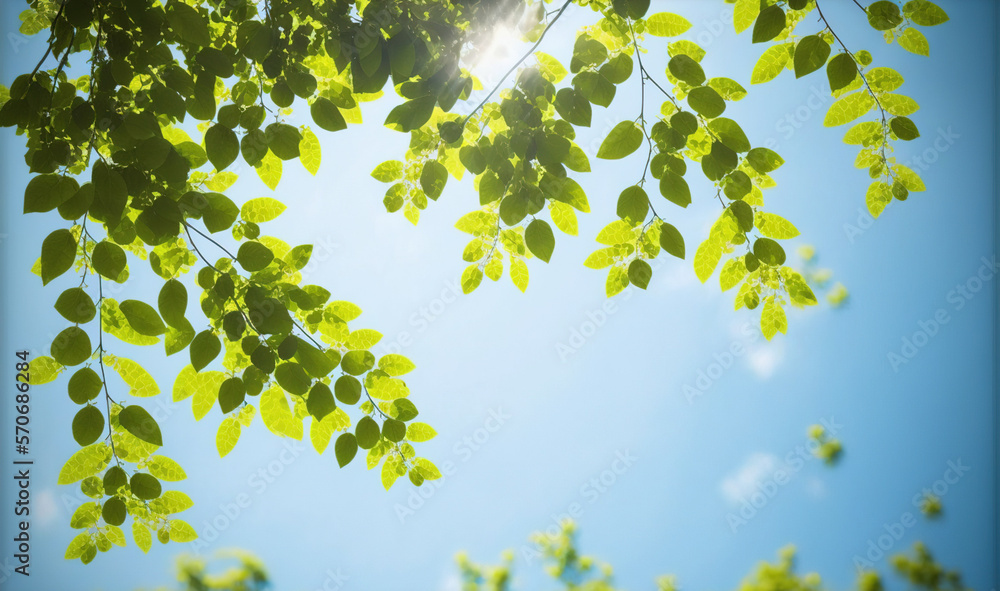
x: 145, y: 486
x: 58, y: 254
x: 770, y: 23
x: 138, y: 422
x: 84, y: 386
x: 254, y: 256
x: 76, y: 305
x: 222, y: 146
x: 706, y: 101
x: 326, y: 115
x: 45, y: 192
x: 367, y: 432
x: 345, y: 448
x: 108, y: 260
x: 671, y: 240
x: 841, y: 71
x: 232, y: 392
x: 347, y: 389
x: 686, y: 69
x: 810, y: 55
x: 142, y: 318
x: 204, y: 348
x: 292, y: 378
x: 320, y: 402
x: 539, y: 239
x: 433, y: 178
x: 88, y: 424
x: 71, y: 346
x: 113, y: 512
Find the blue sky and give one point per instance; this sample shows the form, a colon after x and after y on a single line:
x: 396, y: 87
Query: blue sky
x: 527, y: 430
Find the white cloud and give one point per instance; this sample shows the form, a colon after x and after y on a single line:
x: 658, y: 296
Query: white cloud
x: 764, y: 359
x: 44, y: 508
x: 452, y: 582
x: 741, y: 483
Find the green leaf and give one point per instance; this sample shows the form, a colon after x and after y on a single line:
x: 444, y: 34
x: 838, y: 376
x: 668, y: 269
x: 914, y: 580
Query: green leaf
x: 85, y: 384
x: 633, y: 205
x: 172, y: 303
x: 899, y: 105
x: 770, y: 23
x: 841, y: 71
x: 76, y: 305
x: 471, y: 278
x: 732, y: 273
x: 389, y: 171
x: 145, y: 486
x: 910, y: 179
x: 745, y: 13
x: 395, y: 364
x: 433, y: 178
x: 58, y: 254
x: 254, y: 256
x: 904, y: 128
x: 772, y: 318
x: 675, y: 188
x: 810, y: 55
x: 707, y: 258
x: 283, y: 140
x: 87, y: 461
x: 412, y: 114
x: 261, y: 209
x: 204, y: 348
x: 848, y: 108
x: 165, y: 469
x: 639, y: 273
x: 884, y: 15
x: 140, y: 533
x: 367, y: 433
x: 538, y: 236
x: 624, y: 139
x: 88, y: 425
x: 686, y: 69
x: 706, y: 101
x: 292, y: 378
x: 769, y: 252
x: 771, y: 63
x: 141, y: 384
x: 671, y: 240
x: 71, y: 347
x: 45, y: 192
x: 232, y: 393
x: 142, y: 318
x: 310, y: 151
x: 109, y: 260
x: 188, y: 24
x: 616, y: 282
x: 666, y: 24
x: 227, y: 436
x: 914, y: 41
x: 925, y: 13
x: 573, y: 107
x: 775, y: 226
x: 764, y: 160
x: 140, y: 423
x: 345, y: 449
x: 730, y: 134
x: 326, y: 115
x: 320, y: 402
x: 44, y: 370
x: 420, y: 432
x: 221, y: 145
